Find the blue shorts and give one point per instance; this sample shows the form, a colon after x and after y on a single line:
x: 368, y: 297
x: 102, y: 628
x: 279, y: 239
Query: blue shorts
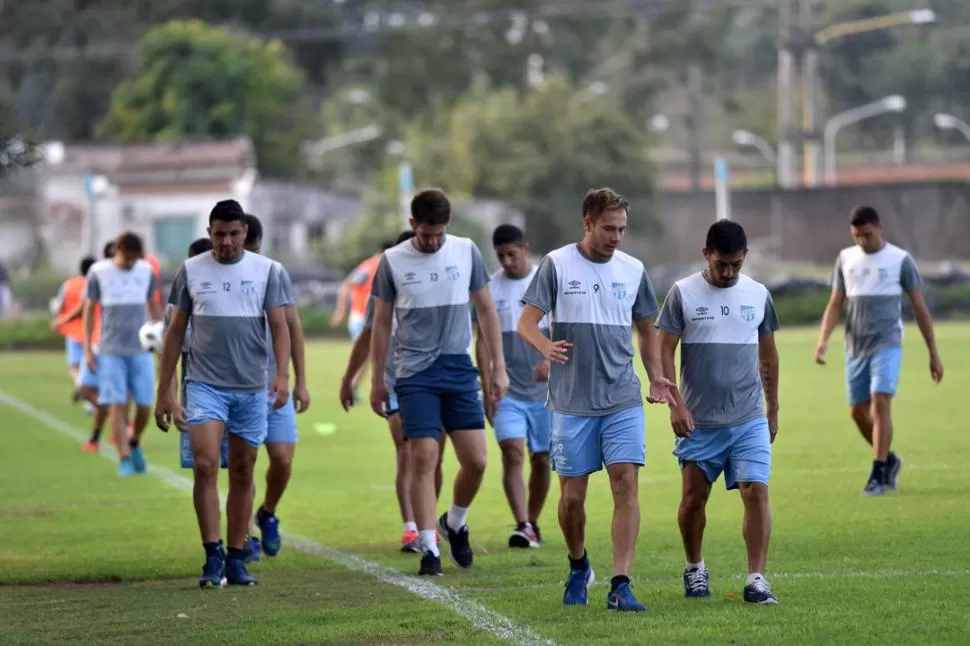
x: 355, y: 325
x: 120, y: 376
x: 444, y: 395
x: 878, y: 373
x: 518, y: 420
x: 86, y: 378
x: 281, y: 423
x: 582, y: 445
x: 75, y: 352
x: 243, y: 414
x: 742, y: 452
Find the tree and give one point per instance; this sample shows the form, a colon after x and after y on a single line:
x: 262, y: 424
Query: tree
x: 199, y: 81
x: 539, y: 152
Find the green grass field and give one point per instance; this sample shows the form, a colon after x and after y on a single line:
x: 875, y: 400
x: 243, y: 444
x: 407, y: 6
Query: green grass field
x: 88, y: 558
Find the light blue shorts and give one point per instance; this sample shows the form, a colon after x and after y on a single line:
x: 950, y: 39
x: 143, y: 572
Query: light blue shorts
x: 243, y: 414
x: 742, y: 452
x: 75, y: 352
x: 355, y: 325
x: 120, y: 376
x: 187, y: 455
x: 86, y: 378
x: 878, y: 373
x: 281, y: 423
x: 519, y: 420
x: 582, y: 445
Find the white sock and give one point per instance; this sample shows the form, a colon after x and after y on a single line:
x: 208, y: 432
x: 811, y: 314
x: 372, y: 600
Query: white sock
x: 456, y: 517
x: 754, y: 577
x: 428, y: 537
x: 410, y: 526
x: 699, y: 565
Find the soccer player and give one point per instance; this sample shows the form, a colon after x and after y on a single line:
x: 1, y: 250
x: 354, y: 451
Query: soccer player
x: 870, y: 278
x: 122, y: 286
x: 229, y: 294
x: 410, y: 539
x: 595, y: 294
x: 522, y: 417
x: 70, y: 298
x: 426, y: 283
x: 725, y: 325
x: 281, y: 435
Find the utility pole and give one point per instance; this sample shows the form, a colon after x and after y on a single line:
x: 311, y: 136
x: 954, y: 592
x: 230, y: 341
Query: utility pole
x: 811, y: 104
x: 785, y: 162
x: 692, y: 121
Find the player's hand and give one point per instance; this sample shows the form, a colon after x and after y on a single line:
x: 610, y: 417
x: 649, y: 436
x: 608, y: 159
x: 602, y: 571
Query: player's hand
x: 660, y: 391
x: 541, y: 372
x: 279, y: 391
x: 500, y: 383
x: 336, y: 319
x: 301, y: 397
x: 820, y: 350
x: 347, y: 398
x: 773, y: 424
x: 168, y: 412
x: 936, y: 368
x: 490, y: 403
x: 681, y: 421
x: 555, y: 351
x: 380, y: 399
x: 90, y: 360
x: 55, y: 323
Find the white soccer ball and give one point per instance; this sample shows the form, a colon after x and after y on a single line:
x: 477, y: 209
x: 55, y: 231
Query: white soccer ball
x: 150, y: 336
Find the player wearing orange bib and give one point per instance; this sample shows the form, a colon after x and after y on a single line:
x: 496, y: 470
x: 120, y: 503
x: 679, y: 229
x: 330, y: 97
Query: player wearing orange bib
x: 68, y: 300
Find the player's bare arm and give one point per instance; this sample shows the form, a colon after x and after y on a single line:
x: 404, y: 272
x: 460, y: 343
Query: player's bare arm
x: 167, y: 408
x: 833, y: 311
x: 67, y: 317
x: 88, y: 319
x: 358, y: 357
x: 491, y: 330
x: 380, y: 343
x: 660, y: 385
x: 281, y: 351
x: 483, y: 359
x: 528, y: 329
x: 925, y: 323
x: 681, y: 420
x: 301, y: 395
x: 768, y: 362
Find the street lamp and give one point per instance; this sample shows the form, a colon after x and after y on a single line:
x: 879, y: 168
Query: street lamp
x: 812, y: 112
x: 315, y: 150
x: 746, y: 138
x: 892, y: 103
x: 949, y: 122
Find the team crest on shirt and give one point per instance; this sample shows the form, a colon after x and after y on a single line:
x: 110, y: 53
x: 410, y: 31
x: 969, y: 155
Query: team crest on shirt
x: 883, y: 273
x: 619, y: 291
x: 452, y: 271
x: 248, y: 287
x: 747, y: 313
x: 501, y: 304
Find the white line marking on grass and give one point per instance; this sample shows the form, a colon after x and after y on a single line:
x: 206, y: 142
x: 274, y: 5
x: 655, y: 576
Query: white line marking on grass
x: 478, y: 615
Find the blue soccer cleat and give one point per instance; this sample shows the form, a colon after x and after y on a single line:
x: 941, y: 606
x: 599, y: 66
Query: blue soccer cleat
x: 622, y: 599
x: 759, y: 592
x: 237, y: 574
x: 893, y: 466
x: 213, y: 572
x: 138, y: 459
x: 252, y: 550
x: 126, y: 468
x: 697, y: 583
x: 459, y: 548
x: 577, y: 587
x: 269, y: 527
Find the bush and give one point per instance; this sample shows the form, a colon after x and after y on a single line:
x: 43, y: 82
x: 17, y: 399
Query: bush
x: 29, y: 332
x: 35, y: 291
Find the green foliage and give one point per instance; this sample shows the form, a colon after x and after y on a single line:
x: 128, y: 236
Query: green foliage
x: 539, y: 152
x: 34, y: 291
x: 379, y: 221
x: 199, y: 81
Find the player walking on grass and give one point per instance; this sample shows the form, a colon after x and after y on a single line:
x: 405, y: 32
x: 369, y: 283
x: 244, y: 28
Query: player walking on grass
x: 594, y: 294
x: 123, y: 287
x: 281, y: 434
x: 229, y: 294
x: 70, y: 298
x: 426, y: 283
x: 522, y: 417
x: 725, y: 325
x: 870, y: 279
x: 410, y: 539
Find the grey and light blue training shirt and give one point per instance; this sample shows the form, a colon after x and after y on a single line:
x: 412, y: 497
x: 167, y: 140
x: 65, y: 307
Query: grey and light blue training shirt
x: 430, y: 293
x: 520, y: 357
x: 719, y: 330
x: 389, y: 378
x: 874, y: 284
x: 228, y: 348
x: 167, y: 321
x: 593, y: 305
x: 286, y: 285
x: 123, y: 295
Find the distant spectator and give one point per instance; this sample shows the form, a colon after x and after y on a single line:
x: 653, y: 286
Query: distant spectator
x: 6, y: 297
